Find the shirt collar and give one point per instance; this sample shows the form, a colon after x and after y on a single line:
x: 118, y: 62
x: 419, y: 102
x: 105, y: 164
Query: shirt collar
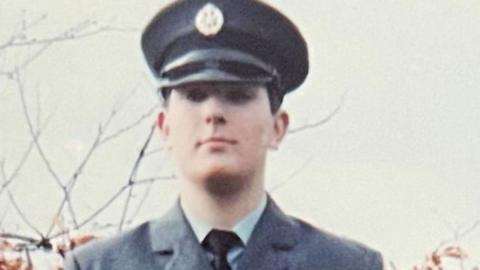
x: 244, y: 228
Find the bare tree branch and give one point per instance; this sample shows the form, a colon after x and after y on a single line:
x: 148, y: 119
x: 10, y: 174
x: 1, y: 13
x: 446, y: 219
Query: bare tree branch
x: 102, y: 208
x: 130, y: 126
x: 77, y: 32
x: 122, y: 189
x: 292, y: 175
x: 66, y: 190
x: 4, y: 214
x: 22, y: 215
x: 154, y: 151
x: 78, y: 171
x: 31, y: 130
x: 155, y: 179
x: 71, y: 33
x: 8, y: 180
x: 35, y: 56
x: 149, y: 182
x: 471, y: 228
x: 38, y: 146
x: 121, y: 102
x: 134, y: 173
x: 24, y: 158
x: 136, y: 211
x: 459, y: 234
x: 15, y: 205
x: 125, y: 207
x: 35, y: 127
x: 18, y: 237
x: 97, y: 142
x: 322, y: 121
x: 29, y: 259
x: 28, y: 25
x: 392, y: 265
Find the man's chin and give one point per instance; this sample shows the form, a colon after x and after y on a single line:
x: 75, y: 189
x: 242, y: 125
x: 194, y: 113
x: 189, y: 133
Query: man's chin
x: 222, y: 182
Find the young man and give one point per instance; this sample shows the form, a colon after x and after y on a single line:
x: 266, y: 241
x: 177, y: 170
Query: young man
x: 223, y: 68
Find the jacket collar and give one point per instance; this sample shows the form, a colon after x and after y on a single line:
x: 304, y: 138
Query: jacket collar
x: 270, y: 242
x: 174, y: 243
x: 176, y: 247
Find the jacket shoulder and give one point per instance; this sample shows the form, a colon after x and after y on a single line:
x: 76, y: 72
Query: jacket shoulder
x: 332, y: 251
x: 123, y: 249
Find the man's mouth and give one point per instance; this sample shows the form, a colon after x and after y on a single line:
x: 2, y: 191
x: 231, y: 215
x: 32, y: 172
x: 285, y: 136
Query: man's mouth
x: 217, y: 141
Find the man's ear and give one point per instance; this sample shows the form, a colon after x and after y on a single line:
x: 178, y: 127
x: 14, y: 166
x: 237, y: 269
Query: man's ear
x: 280, y: 127
x: 162, y: 124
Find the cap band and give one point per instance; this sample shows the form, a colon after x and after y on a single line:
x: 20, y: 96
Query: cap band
x: 217, y: 65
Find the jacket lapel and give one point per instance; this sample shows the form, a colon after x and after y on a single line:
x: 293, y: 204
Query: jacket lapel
x: 271, y: 241
x: 175, y: 247
x: 174, y: 244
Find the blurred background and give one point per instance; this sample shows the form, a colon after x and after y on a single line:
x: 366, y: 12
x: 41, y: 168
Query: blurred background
x: 384, y: 146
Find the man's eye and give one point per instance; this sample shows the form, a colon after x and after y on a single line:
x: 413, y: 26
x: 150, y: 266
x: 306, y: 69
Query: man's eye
x: 239, y: 96
x: 196, y: 96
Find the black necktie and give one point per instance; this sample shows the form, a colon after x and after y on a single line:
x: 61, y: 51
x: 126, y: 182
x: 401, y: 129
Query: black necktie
x: 219, y: 243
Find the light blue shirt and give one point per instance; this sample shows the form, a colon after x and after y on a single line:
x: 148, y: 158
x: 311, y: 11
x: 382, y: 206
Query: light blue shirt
x: 244, y: 229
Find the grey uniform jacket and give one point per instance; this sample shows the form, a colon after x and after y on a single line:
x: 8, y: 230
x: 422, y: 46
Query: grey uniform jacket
x: 278, y: 242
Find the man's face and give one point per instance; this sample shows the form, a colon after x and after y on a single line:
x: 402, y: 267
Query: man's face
x: 221, y: 130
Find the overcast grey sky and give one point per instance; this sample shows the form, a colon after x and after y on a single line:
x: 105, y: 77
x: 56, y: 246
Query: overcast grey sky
x: 397, y: 167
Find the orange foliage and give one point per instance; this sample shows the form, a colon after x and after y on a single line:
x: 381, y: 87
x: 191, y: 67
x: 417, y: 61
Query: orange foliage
x: 14, y: 264
x: 74, y: 242
x: 18, y: 263
x: 435, y: 261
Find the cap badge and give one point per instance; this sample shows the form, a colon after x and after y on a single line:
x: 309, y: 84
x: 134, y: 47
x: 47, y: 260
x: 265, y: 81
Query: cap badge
x: 209, y: 20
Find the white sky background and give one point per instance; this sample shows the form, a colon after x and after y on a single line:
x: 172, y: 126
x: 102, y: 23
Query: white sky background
x: 396, y: 168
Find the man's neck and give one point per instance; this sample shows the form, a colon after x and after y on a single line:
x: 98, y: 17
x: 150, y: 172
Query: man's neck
x: 221, y: 212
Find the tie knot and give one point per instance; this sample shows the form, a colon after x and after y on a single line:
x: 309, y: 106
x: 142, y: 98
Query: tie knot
x: 220, y: 242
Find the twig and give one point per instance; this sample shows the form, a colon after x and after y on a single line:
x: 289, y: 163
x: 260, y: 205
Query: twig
x: 116, y: 195
x: 38, y: 108
x: 292, y: 175
x: 24, y: 26
x: 29, y: 259
x: 471, y: 228
x: 35, y: 56
x: 458, y: 234
x: 22, y: 215
x: 149, y: 181
x: 154, y: 151
x: 134, y: 173
x: 39, y: 148
x: 78, y: 171
x: 4, y: 214
x: 99, y: 141
x: 322, y: 121
x: 130, y: 126
x: 34, y: 22
x: 64, y: 36
x: 155, y: 179
x: 18, y: 237
x: 102, y: 208
x: 15, y: 205
x: 23, y: 159
x: 140, y: 204
x: 120, y: 103
x: 71, y: 183
x: 19, y: 39
x: 125, y: 207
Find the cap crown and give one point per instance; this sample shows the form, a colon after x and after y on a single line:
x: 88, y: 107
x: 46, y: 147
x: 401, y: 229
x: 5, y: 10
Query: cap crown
x: 251, y: 28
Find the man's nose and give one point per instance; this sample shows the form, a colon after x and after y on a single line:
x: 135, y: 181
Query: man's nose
x: 215, y: 112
